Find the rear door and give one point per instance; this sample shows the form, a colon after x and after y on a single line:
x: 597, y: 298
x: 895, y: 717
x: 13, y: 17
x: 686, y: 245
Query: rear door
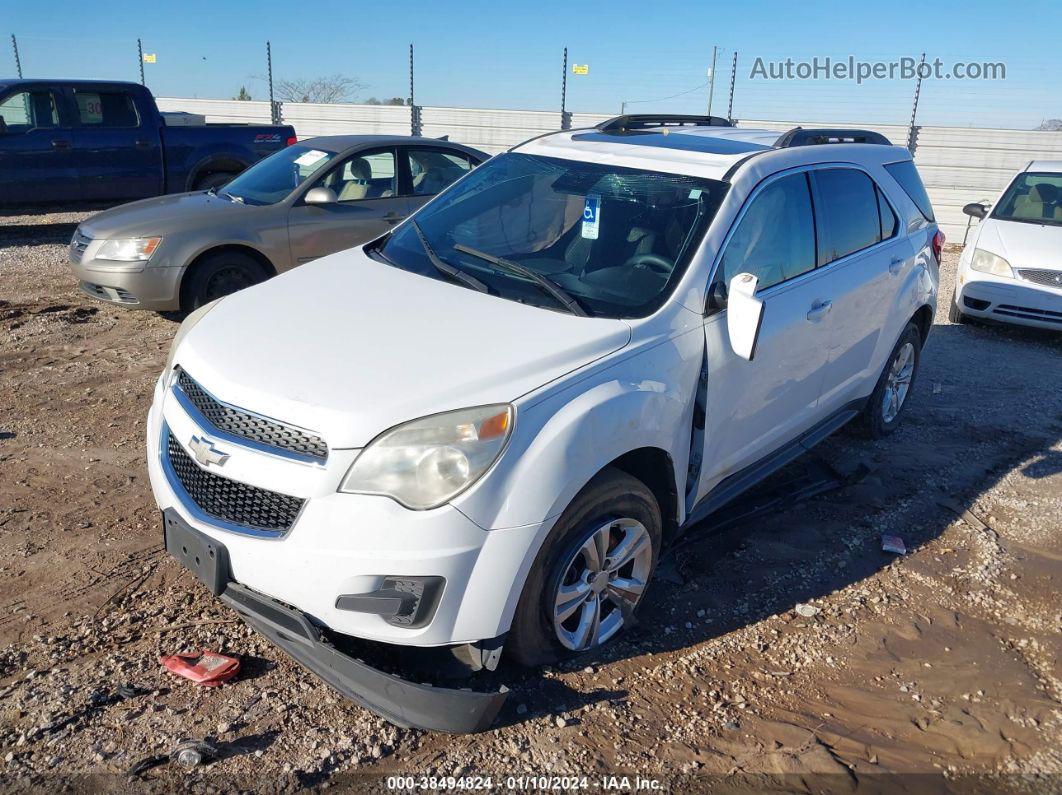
x: 117, y: 149
x: 428, y: 170
x: 861, y: 246
x: 366, y: 185
x: 755, y: 407
x: 36, y: 159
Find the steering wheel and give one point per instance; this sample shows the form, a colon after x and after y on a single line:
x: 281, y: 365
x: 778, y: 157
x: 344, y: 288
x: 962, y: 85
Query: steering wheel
x: 652, y: 262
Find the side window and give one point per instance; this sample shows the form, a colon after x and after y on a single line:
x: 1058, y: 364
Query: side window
x: 433, y: 169
x: 888, y: 217
x: 26, y: 111
x: 106, y: 109
x: 848, y: 204
x: 367, y: 175
x: 775, y: 239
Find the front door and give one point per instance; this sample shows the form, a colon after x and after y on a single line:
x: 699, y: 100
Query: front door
x: 366, y: 186
x: 752, y: 408
x: 36, y: 162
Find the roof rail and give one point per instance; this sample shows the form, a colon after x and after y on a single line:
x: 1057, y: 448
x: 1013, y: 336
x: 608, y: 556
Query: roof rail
x: 642, y: 122
x: 798, y: 136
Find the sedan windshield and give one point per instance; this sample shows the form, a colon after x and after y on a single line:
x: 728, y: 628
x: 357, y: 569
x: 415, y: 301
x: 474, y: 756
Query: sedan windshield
x: 272, y: 179
x: 568, y: 235
x: 1034, y: 198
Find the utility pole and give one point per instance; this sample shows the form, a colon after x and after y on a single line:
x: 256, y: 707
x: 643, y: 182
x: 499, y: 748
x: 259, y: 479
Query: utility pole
x: 733, y: 77
x: 565, y: 121
x: 912, y: 133
x: 711, y: 81
x: 140, y: 53
x: 18, y: 62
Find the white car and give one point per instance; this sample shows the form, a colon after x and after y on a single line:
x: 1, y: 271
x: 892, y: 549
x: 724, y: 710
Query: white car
x: 482, y: 430
x: 1012, y: 270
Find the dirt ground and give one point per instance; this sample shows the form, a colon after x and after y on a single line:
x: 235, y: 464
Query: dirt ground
x: 938, y: 670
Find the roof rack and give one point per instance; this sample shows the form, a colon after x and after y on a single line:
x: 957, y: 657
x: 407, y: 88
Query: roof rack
x: 644, y: 122
x: 798, y: 136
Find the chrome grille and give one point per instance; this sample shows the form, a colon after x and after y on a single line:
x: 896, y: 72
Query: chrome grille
x: 1046, y: 278
x: 252, y: 427
x: 78, y: 243
x: 230, y: 500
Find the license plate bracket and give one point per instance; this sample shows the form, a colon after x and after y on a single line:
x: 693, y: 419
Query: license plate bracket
x: 206, y: 558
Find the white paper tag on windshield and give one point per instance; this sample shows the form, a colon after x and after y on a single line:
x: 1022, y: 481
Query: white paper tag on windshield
x: 591, y: 217
x: 309, y: 158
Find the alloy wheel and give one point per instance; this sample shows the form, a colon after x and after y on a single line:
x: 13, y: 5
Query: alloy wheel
x: 898, y: 382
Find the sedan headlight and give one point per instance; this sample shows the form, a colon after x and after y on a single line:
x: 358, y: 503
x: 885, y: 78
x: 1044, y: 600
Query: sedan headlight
x: 182, y: 331
x: 987, y: 262
x: 424, y: 463
x: 129, y: 249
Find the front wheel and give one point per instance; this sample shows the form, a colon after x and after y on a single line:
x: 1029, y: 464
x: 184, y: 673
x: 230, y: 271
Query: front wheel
x: 592, y: 571
x: 220, y: 274
x: 887, y: 402
x: 955, y: 315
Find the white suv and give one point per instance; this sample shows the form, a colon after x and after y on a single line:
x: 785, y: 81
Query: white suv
x: 483, y: 429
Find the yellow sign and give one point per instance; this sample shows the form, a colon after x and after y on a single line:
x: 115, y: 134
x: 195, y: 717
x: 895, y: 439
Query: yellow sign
x: 149, y: 57
x: 581, y: 70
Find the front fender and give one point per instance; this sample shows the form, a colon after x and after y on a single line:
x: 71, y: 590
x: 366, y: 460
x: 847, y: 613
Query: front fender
x: 564, y: 439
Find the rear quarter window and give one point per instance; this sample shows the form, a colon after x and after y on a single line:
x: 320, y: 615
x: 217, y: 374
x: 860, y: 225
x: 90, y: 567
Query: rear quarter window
x: 906, y: 174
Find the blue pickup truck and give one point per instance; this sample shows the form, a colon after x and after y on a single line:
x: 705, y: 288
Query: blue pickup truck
x: 92, y: 140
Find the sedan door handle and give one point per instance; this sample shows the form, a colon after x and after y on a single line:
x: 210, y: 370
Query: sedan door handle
x: 896, y: 264
x: 393, y: 218
x: 819, y: 310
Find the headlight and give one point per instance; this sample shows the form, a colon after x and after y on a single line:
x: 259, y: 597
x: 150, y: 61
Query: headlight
x: 187, y: 325
x: 986, y: 262
x: 129, y: 249
x: 426, y: 462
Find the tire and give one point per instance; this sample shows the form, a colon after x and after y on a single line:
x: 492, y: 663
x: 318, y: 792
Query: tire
x: 214, y: 180
x: 954, y: 314
x: 220, y: 274
x: 877, y: 420
x: 613, y: 505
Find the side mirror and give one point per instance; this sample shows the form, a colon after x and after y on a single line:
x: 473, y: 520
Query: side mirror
x: 976, y: 210
x: 320, y: 196
x: 744, y: 315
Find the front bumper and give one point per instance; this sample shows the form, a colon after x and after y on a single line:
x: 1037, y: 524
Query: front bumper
x: 403, y: 703
x: 1005, y: 300
x: 132, y: 285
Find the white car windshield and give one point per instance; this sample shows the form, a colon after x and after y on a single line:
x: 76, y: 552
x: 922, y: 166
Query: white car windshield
x: 1034, y: 198
x: 568, y: 235
x: 272, y: 179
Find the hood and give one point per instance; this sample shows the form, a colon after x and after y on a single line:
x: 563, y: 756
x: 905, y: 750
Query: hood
x: 162, y: 215
x: 349, y: 347
x: 1023, y: 245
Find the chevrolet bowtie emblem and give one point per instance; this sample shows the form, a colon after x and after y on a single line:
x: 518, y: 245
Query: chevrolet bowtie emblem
x: 205, y: 452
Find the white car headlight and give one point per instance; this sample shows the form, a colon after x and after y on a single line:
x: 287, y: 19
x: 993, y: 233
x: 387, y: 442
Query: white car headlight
x: 129, y: 249
x: 424, y: 463
x: 987, y: 262
x: 182, y: 331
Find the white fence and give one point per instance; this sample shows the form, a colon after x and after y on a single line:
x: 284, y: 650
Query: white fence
x: 958, y: 164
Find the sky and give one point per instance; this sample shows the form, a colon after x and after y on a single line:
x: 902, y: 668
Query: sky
x: 642, y: 56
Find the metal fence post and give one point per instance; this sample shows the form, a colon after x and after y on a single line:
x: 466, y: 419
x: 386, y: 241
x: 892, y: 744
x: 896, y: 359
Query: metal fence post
x: 274, y: 111
x: 566, y: 117
x: 711, y: 80
x: 733, y: 77
x: 18, y: 62
x: 140, y: 52
x: 912, y: 132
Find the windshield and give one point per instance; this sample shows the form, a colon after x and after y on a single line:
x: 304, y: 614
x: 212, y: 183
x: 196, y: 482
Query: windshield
x: 1034, y: 198
x: 273, y: 178
x: 551, y: 232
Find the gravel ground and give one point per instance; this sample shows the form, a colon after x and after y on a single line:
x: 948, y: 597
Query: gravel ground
x: 943, y: 663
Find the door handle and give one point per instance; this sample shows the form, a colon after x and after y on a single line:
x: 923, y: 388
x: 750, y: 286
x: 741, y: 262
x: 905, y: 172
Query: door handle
x: 819, y: 310
x: 393, y: 218
x: 141, y: 143
x: 60, y: 143
x: 895, y: 265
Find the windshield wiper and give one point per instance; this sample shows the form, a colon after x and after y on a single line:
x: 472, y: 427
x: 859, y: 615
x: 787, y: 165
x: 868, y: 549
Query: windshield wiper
x: 445, y: 267
x: 232, y: 197
x: 563, y: 297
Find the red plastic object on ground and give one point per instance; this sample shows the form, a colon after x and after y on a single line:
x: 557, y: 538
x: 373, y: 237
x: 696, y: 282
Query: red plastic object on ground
x: 207, y: 668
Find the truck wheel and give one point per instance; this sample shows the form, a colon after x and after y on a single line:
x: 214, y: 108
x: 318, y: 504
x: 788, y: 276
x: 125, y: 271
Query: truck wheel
x: 591, y: 573
x: 954, y: 315
x: 221, y: 274
x: 215, y: 180
x: 887, y: 402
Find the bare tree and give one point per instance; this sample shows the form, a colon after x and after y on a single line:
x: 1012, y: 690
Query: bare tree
x: 328, y: 89
x: 1051, y: 124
